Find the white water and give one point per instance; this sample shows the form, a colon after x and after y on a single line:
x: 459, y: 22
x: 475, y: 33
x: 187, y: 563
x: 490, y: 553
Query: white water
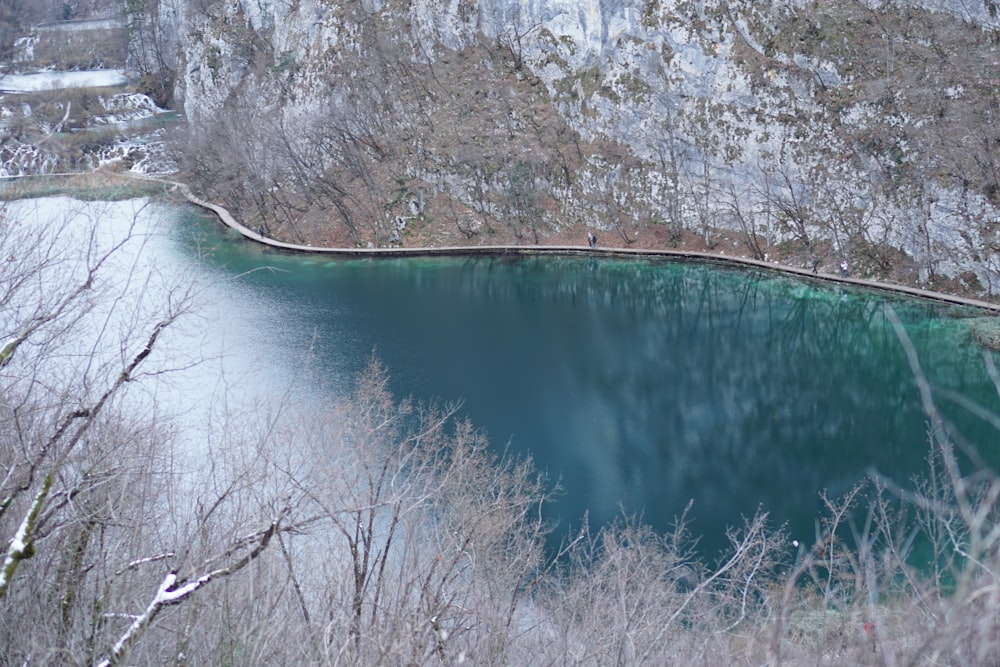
x: 41, y: 81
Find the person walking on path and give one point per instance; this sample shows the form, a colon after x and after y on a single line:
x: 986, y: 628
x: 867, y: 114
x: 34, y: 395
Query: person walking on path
x: 843, y: 269
x: 591, y: 239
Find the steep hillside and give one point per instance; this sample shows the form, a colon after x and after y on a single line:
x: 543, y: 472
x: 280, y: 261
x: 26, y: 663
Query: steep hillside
x: 857, y: 131
x: 852, y: 130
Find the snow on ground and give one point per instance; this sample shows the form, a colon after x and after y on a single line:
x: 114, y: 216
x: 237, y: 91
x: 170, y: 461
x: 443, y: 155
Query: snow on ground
x: 30, y: 83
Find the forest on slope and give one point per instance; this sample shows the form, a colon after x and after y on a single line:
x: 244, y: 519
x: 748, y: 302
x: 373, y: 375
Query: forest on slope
x: 852, y: 130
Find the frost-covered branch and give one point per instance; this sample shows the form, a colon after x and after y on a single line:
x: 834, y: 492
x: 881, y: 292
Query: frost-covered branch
x: 143, y: 561
x: 173, y: 591
x: 22, y: 545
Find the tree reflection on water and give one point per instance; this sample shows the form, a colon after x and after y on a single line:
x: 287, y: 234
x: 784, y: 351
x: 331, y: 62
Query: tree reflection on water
x: 643, y: 385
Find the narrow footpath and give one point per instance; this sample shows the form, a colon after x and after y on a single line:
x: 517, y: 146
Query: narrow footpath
x: 568, y: 250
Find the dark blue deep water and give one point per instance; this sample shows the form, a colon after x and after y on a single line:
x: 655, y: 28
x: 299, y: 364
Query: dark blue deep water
x: 637, y: 385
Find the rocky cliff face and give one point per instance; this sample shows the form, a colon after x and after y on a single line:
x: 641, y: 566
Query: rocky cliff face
x: 857, y: 130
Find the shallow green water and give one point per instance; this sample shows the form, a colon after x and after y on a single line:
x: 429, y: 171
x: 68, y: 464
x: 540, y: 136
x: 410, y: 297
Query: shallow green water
x: 640, y: 385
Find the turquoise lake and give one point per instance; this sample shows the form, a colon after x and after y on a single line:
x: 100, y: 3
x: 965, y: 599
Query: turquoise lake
x: 638, y: 385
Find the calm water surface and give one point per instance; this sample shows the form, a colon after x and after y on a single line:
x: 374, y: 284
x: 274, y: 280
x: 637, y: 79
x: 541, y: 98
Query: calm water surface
x: 639, y: 385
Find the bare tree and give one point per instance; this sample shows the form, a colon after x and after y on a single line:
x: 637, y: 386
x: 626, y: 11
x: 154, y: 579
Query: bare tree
x: 629, y: 593
x: 752, y: 221
x: 88, y: 506
x: 432, y: 540
x: 150, y: 33
x: 513, y: 30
